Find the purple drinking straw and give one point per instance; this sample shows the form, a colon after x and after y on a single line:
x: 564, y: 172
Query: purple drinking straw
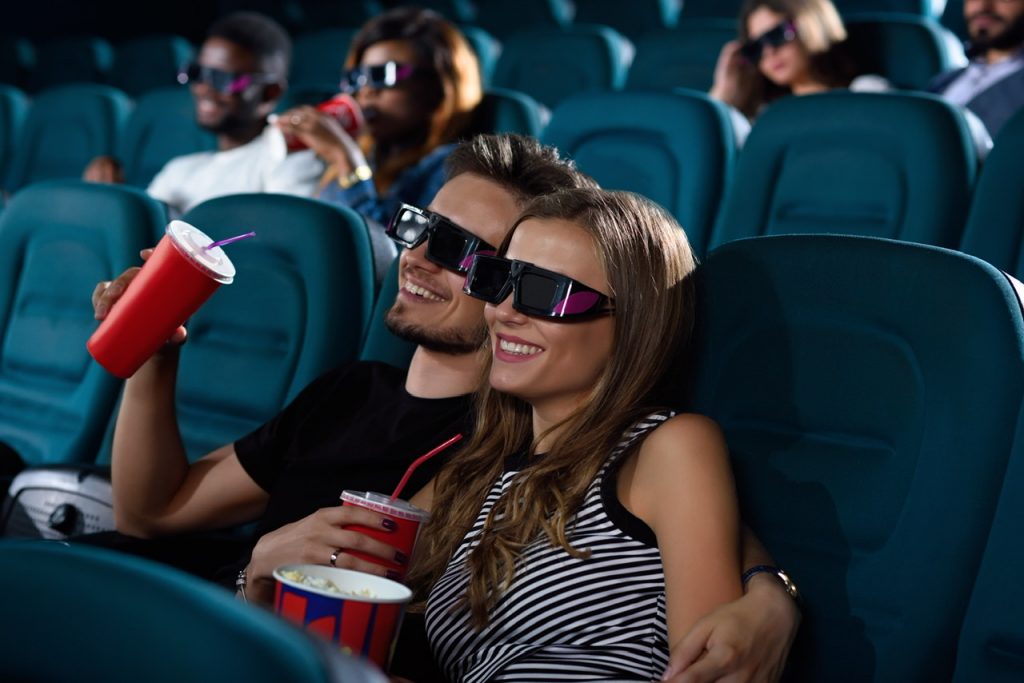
x: 229, y: 240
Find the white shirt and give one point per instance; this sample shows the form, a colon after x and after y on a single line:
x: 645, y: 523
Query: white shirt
x: 980, y: 76
x: 262, y: 165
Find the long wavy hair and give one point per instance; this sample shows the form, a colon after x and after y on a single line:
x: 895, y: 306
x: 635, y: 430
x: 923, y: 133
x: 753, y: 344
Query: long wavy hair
x: 819, y: 30
x: 451, y: 94
x: 647, y: 260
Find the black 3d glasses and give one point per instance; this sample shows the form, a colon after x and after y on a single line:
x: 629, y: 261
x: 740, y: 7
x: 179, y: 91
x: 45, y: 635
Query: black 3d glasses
x: 783, y: 33
x: 386, y: 75
x: 536, y: 291
x: 448, y: 245
x: 224, y: 82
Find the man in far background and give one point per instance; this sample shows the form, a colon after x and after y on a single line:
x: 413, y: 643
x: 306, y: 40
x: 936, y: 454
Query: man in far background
x: 237, y: 79
x: 992, y: 85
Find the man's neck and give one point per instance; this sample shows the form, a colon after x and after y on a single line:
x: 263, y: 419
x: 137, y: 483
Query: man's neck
x: 226, y: 141
x: 994, y: 56
x: 443, y: 375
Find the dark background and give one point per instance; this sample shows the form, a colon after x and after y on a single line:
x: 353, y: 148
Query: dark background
x: 118, y: 20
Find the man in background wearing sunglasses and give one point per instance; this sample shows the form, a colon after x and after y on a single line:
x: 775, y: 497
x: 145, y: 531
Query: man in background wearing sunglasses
x: 992, y: 84
x: 236, y: 80
x: 359, y: 426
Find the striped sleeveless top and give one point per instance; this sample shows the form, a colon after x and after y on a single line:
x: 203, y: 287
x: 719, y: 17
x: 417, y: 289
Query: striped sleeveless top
x: 564, y: 618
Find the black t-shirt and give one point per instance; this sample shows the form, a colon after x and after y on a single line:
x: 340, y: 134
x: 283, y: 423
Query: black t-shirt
x: 352, y: 428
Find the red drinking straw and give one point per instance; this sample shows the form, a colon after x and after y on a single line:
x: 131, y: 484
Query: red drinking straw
x: 420, y: 460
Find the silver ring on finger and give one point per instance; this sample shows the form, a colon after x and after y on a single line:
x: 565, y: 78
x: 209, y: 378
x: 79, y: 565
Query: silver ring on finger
x: 295, y: 119
x: 334, y: 557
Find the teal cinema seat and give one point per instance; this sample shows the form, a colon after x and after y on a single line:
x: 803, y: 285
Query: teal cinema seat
x: 57, y: 240
x: 633, y: 19
x: 14, y: 106
x: 78, y: 613
x: 922, y: 8
x: 72, y: 59
x: 318, y: 57
x: 908, y: 51
x: 17, y: 59
x: 991, y: 646
x: 684, y: 57
x: 509, y: 111
x: 66, y: 127
x: 677, y: 148
x: 870, y: 392
x: 995, y: 225
x: 453, y: 10
x: 552, y: 64
x: 503, y: 19
x: 161, y: 127
x: 149, y: 63
x: 889, y: 165
x: 299, y: 306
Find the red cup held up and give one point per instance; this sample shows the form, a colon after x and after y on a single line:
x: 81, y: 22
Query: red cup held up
x: 344, y: 108
x: 173, y: 283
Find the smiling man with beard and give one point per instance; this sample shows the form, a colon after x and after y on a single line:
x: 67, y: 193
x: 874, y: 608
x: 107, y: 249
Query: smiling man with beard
x: 992, y: 85
x: 236, y: 81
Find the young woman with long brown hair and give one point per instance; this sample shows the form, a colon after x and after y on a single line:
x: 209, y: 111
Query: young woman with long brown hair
x: 585, y: 528
x: 417, y: 82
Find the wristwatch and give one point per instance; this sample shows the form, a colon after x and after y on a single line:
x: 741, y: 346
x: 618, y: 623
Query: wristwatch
x: 787, y: 582
x: 358, y: 174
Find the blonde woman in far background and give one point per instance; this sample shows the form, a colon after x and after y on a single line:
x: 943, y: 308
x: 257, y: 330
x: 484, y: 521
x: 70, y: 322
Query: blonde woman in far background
x: 786, y: 47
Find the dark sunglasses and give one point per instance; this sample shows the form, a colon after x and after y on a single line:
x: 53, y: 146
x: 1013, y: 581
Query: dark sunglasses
x: 224, y: 82
x: 776, y: 37
x: 448, y: 245
x: 536, y: 292
x: 386, y: 75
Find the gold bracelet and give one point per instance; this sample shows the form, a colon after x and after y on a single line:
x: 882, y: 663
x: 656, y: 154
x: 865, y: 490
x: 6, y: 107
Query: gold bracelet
x: 358, y: 174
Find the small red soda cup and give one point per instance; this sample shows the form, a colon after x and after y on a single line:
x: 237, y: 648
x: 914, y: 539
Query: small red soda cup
x: 173, y: 283
x: 344, y: 108
x: 406, y: 516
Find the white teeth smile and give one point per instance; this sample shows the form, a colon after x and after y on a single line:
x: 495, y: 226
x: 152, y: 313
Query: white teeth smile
x: 518, y: 349
x: 419, y: 291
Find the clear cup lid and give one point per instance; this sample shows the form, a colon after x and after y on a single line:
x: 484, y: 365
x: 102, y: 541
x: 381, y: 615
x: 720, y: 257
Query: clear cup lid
x: 191, y: 242
x: 381, y: 502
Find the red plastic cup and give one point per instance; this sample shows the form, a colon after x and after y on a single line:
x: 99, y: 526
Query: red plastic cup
x: 176, y: 280
x: 363, y: 619
x: 342, y: 107
x: 406, y: 516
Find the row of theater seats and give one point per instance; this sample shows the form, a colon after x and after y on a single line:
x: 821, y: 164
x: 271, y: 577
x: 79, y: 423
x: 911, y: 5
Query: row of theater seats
x: 547, y: 63
x: 871, y: 392
x: 631, y: 18
x: 552, y: 63
x: 900, y: 166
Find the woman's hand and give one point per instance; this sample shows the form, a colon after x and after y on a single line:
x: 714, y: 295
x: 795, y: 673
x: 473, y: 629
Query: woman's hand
x: 744, y: 641
x: 727, y: 73
x: 108, y: 293
x: 324, y: 135
x: 313, y: 539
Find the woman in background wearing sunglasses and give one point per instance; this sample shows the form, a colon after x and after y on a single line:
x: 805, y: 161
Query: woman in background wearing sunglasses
x: 786, y: 47
x: 417, y: 82
x: 585, y: 527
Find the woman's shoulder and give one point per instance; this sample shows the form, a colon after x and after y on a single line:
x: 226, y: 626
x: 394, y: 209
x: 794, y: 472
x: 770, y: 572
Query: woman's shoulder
x: 689, y: 434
